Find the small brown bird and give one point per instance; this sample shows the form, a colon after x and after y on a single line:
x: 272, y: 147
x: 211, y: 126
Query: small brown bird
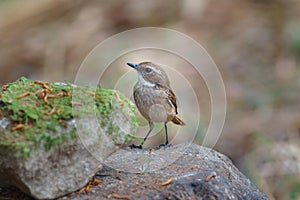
x: 154, y: 98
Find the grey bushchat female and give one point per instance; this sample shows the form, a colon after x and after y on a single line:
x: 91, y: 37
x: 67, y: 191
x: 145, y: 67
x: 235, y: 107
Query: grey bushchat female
x: 154, y: 97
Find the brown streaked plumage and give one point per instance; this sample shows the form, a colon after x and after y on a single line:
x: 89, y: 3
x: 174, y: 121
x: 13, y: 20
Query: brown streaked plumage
x: 154, y: 97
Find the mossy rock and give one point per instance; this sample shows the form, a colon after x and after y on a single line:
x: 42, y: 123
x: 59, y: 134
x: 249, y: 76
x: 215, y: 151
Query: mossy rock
x: 38, y: 115
x: 55, y: 136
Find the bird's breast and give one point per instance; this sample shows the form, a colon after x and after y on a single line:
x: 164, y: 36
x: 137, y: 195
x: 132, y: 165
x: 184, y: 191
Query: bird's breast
x: 153, y: 103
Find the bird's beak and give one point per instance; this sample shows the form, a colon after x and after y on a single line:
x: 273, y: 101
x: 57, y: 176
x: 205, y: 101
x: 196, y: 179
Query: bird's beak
x: 133, y: 65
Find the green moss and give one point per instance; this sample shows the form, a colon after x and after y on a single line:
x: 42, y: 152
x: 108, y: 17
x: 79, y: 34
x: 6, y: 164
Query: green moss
x: 40, y: 113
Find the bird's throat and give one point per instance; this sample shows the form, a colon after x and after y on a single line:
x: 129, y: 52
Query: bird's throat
x: 144, y: 82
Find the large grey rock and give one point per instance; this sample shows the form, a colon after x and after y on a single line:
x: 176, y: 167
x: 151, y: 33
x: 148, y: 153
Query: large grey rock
x: 138, y: 174
x: 68, y: 167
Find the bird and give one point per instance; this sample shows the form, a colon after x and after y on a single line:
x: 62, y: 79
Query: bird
x: 154, y: 98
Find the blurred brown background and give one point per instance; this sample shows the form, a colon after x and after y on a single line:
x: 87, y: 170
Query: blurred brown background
x: 255, y: 44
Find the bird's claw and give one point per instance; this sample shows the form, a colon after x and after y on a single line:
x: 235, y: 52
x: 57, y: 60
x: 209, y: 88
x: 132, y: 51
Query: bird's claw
x: 133, y: 146
x: 164, y: 145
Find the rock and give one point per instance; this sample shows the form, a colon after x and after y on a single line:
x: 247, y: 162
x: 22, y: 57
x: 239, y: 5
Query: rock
x: 50, y: 155
x: 186, y: 171
x: 177, y: 172
x: 50, y: 174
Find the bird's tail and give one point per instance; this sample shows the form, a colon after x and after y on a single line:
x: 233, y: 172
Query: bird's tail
x: 178, y: 121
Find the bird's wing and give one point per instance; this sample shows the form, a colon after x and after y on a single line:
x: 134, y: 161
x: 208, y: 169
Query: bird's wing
x: 170, y: 95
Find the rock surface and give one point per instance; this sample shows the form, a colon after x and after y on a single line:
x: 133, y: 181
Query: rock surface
x: 197, y: 173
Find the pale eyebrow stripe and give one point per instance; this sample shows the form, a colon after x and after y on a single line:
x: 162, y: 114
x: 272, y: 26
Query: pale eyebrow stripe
x: 156, y: 70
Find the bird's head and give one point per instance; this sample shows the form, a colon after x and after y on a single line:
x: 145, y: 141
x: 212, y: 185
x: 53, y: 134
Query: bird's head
x: 150, y: 73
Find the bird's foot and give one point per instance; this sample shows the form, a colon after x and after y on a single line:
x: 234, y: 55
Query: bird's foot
x: 164, y: 145
x: 133, y: 146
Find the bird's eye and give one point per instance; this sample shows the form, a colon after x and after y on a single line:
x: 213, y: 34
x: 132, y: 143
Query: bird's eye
x: 148, y: 70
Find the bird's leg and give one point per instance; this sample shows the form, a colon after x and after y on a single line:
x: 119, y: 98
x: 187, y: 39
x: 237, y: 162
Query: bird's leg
x: 167, y: 138
x: 141, y: 145
x: 150, y: 129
